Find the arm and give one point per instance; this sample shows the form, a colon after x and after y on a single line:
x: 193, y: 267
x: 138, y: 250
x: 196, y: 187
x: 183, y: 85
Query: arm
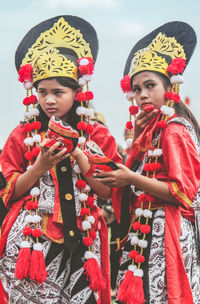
x: 98, y: 187
x: 124, y: 176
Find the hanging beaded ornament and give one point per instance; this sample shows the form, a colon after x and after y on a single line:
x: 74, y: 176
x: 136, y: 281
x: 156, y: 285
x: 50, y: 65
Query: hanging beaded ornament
x: 31, y: 264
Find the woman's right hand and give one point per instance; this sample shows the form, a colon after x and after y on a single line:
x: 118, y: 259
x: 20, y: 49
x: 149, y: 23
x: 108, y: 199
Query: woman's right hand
x: 47, y: 159
x: 141, y: 122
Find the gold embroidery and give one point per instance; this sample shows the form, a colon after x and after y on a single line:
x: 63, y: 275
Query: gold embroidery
x: 180, y: 194
x: 9, y: 185
x: 151, y: 58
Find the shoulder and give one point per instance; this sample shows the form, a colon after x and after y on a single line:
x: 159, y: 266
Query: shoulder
x: 180, y: 131
x: 18, y: 133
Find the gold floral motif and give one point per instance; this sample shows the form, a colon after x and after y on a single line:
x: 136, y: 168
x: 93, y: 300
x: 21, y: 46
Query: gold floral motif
x: 152, y: 57
x: 52, y: 64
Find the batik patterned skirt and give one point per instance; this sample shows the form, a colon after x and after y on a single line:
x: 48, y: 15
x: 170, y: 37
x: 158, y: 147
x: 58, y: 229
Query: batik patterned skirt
x: 66, y: 281
x: 154, y: 279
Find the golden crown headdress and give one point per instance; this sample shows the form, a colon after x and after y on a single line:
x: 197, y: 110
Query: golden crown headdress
x: 155, y: 51
x: 54, y: 46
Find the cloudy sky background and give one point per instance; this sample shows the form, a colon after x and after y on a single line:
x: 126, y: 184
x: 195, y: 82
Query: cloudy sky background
x: 119, y: 25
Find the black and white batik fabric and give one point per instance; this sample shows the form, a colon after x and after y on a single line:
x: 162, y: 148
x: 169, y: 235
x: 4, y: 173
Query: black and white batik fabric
x: 66, y: 281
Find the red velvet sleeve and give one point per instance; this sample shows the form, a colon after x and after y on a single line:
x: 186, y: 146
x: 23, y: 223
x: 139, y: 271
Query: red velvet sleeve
x: 12, y: 161
x: 182, y: 163
x: 103, y: 138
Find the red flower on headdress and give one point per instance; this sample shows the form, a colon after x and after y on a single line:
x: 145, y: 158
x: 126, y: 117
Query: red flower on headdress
x: 86, y: 65
x: 25, y: 73
x: 177, y: 66
x: 126, y: 84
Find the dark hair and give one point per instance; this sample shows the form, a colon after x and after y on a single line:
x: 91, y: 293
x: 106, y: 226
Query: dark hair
x: 181, y: 109
x: 72, y: 117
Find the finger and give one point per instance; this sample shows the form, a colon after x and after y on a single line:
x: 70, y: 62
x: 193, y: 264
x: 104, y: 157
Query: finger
x: 53, y: 148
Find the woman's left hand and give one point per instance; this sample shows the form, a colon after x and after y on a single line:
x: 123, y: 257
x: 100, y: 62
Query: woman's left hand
x: 117, y: 178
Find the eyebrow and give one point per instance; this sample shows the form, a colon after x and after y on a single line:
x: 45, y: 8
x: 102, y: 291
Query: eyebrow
x: 145, y: 82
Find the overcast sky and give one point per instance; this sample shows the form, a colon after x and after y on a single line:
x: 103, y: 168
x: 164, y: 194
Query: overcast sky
x: 119, y: 25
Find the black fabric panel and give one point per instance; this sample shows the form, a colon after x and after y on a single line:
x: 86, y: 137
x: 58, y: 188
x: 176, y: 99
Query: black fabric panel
x: 68, y: 206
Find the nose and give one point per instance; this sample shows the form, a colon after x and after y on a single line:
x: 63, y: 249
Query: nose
x: 50, y: 99
x: 144, y: 93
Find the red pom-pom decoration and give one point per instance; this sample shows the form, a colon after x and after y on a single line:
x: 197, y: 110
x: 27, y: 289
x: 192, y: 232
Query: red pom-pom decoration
x: 81, y: 97
x: 90, y: 202
x: 27, y: 231
x: 176, y: 98
x: 139, y: 258
x: 36, y: 125
x: 25, y: 73
x: 36, y: 232
x: 86, y: 68
x: 35, y: 205
x: 161, y: 125
x: 36, y: 151
x: 142, y: 198
x: 26, y: 101
x: 89, y: 95
x: 29, y: 155
x: 155, y: 167
x: 92, y: 234
x: 85, y: 211
x: 126, y: 84
x: 87, y: 241
x: 28, y: 127
x: 33, y: 99
x: 129, y: 125
x: 89, y: 129
x: 133, y: 254
x: 29, y: 205
x: 148, y: 108
x: 146, y: 167
x: 151, y: 198
x: 81, y: 125
x: 177, y: 66
x: 136, y: 226
x: 133, y: 110
x: 145, y: 228
x: 169, y: 95
x: 80, y: 184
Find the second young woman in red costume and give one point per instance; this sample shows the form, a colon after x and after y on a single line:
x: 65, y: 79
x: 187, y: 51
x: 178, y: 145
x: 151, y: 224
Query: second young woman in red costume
x: 158, y: 198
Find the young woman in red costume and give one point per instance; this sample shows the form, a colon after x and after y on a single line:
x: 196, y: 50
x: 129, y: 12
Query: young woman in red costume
x: 158, y: 200
x: 53, y: 244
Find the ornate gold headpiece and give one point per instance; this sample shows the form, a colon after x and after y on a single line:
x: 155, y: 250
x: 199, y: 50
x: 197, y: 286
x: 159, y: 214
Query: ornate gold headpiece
x: 46, y: 58
x: 152, y: 57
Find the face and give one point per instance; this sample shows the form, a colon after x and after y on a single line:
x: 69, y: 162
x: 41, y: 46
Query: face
x: 55, y: 99
x: 149, y: 88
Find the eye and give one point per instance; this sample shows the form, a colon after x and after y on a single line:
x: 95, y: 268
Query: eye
x: 136, y: 89
x: 150, y: 85
x: 58, y: 92
x: 42, y: 92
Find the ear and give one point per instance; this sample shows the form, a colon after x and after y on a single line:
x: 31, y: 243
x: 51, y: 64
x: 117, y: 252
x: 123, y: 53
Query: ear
x: 77, y: 91
x: 169, y: 88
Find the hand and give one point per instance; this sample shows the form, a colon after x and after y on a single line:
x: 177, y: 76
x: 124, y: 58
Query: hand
x: 117, y: 178
x: 47, y: 158
x: 142, y: 121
